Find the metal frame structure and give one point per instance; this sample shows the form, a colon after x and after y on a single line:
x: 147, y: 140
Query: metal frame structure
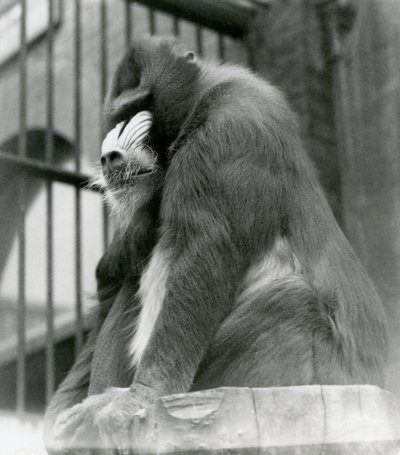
x: 227, y: 17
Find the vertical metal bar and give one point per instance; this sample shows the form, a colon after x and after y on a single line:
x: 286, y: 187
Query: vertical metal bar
x: 175, y: 27
x: 22, y: 81
x: 250, y: 53
x: 128, y: 23
x: 152, y: 21
x: 103, y: 85
x: 103, y: 51
x: 199, y: 39
x: 221, y: 47
x: 106, y: 226
x: 78, y: 240
x: 77, y: 79
x: 78, y: 273
x: 21, y: 315
x: 50, y: 83
x: 50, y: 370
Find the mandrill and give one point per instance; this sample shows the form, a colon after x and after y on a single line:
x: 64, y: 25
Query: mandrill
x: 227, y: 267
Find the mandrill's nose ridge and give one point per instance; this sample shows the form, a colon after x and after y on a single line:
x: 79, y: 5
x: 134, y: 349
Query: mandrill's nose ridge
x: 113, y: 160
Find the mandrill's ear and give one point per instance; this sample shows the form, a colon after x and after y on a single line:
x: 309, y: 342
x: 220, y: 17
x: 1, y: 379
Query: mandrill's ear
x: 191, y: 57
x: 128, y: 103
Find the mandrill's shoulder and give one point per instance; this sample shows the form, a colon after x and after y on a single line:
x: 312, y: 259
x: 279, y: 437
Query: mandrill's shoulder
x: 235, y: 94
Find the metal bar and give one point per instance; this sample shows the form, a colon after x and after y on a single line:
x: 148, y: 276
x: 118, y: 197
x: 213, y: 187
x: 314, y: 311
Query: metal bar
x: 78, y: 272
x: 49, y: 152
x: 128, y: 23
x: 22, y: 82
x: 104, y: 81
x: 249, y: 54
x: 103, y: 50
x: 199, y: 39
x: 106, y: 226
x: 50, y: 366
x: 221, y: 47
x: 175, y: 27
x: 78, y: 208
x: 21, y: 314
x: 231, y: 17
x: 50, y: 362
x: 39, y: 169
x: 152, y: 21
x: 77, y: 79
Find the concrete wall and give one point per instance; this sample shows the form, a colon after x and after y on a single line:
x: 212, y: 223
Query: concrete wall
x: 369, y: 131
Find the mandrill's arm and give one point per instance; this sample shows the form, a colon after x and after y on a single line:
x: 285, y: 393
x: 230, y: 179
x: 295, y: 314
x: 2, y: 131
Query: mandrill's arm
x: 201, y: 268
x: 75, y: 386
x: 187, y: 289
x: 73, y: 389
x: 211, y: 217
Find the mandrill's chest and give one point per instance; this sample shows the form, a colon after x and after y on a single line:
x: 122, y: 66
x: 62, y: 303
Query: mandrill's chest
x: 279, y: 263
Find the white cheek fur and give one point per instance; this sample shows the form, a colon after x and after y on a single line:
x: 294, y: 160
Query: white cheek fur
x: 151, y: 293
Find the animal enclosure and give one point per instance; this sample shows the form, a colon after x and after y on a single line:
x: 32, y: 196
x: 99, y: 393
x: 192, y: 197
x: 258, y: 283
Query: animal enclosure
x: 338, y: 66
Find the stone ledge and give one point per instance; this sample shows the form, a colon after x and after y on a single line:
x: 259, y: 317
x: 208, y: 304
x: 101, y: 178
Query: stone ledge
x: 333, y: 420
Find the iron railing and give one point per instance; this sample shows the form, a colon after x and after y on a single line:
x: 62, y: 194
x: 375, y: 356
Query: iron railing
x: 225, y: 17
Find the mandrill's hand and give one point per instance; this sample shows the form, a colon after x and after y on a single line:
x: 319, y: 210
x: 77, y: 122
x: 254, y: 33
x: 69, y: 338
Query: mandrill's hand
x: 102, y: 421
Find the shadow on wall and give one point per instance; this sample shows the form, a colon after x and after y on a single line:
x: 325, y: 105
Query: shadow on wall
x: 9, y: 176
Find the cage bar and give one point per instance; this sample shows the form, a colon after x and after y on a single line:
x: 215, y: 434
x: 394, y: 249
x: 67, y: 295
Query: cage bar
x: 22, y: 81
x: 231, y: 17
x: 199, y: 39
x: 103, y: 49
x: 50, y: 367
x: 21, y: 312
x: 249, y: 54
x: 78, y: 273
x: 176, y: 27
x: 78, y: 204
x: 77, y: 82
x: 152, y: 21
x: 221, y: 47
x: 21, y: 315
x: 103, y: 85
x: 39, y: 169
x: 128, y: 23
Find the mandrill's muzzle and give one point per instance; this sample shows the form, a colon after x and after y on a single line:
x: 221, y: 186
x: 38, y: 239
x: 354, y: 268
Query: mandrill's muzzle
x: 123, y: 146
x: 113, y: 160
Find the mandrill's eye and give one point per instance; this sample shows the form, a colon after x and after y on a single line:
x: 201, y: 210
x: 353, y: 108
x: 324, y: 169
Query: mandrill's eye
x: 123, y: 128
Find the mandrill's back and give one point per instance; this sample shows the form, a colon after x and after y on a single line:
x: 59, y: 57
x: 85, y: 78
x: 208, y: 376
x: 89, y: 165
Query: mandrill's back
x: 305, y: 310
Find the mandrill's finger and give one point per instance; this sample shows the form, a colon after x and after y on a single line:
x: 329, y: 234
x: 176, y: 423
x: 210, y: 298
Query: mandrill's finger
x: 123, y: 442
x: 89, y: 438
x: 114, y: 433
x: 66, y: 426
x: 108, y: 440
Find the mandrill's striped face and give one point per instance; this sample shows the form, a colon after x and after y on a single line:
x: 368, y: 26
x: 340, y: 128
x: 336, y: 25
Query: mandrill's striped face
x: 128, y: 164
x: 124, y: 153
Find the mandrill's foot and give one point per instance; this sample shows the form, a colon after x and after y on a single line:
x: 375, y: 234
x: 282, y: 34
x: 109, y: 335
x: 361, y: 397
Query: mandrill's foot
x: 102, y: 421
